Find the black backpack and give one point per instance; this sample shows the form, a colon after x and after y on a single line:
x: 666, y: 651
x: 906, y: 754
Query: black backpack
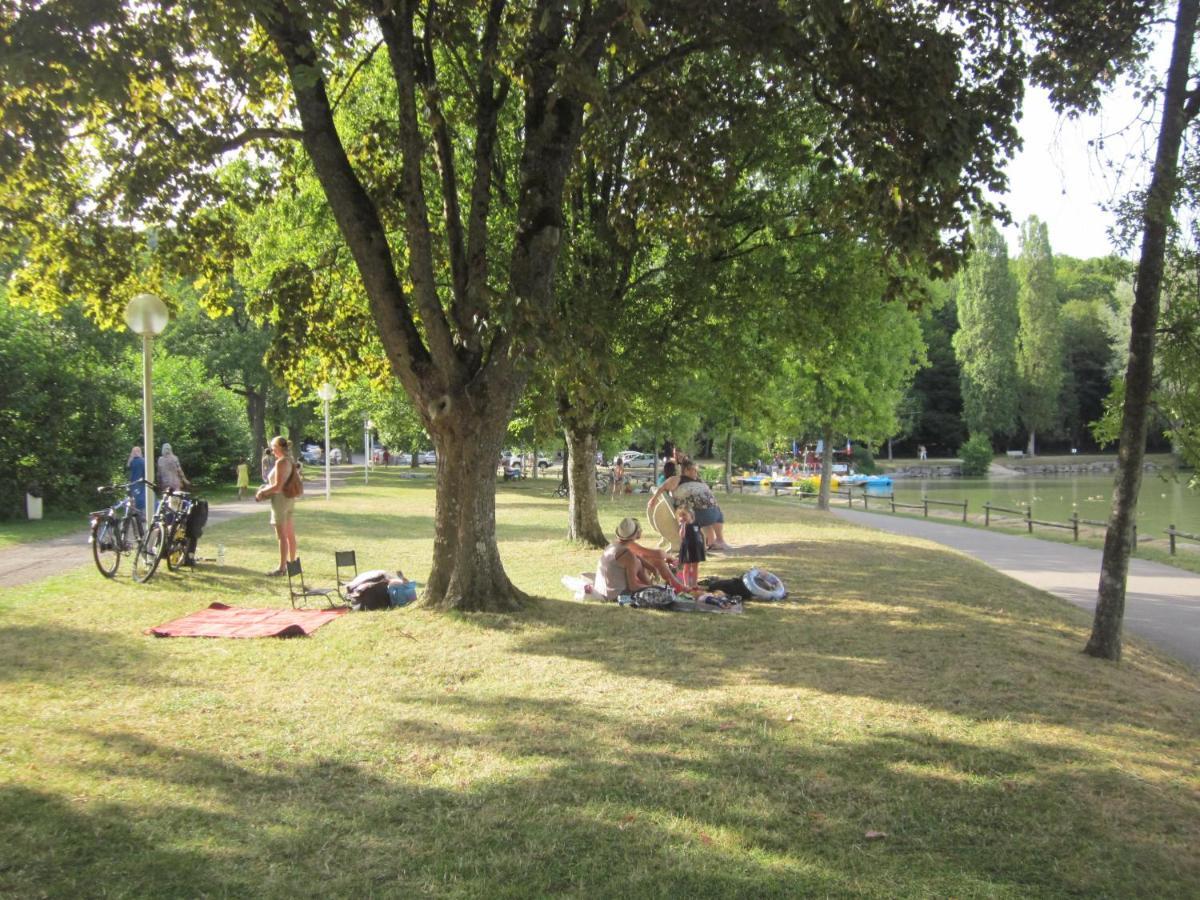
x: 368, y: 591
x: 653, y: 597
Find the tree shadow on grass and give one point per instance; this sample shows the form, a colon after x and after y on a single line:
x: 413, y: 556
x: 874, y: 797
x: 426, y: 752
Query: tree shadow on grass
x: 928, y: 628
x: 46, y: 654
x: 591, y: 801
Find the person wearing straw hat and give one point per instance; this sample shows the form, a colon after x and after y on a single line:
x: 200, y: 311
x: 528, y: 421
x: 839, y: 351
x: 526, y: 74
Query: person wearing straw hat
x: 625, y: 565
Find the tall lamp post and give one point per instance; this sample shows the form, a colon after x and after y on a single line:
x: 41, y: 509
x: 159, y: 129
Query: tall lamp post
x: 326, y: 393
x: 367, y: 451
x: 146, y: 315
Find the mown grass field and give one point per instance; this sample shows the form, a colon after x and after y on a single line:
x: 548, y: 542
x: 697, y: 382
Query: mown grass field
x: 907, y: 724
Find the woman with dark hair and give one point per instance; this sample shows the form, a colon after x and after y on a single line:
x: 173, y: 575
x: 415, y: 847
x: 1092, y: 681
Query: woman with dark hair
x: 282, y: 506
x: 136, y: 469
x: 688, y: 490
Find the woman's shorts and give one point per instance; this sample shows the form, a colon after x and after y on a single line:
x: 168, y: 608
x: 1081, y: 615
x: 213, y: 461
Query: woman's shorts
x: 710, y: 516
x: 281, y: 509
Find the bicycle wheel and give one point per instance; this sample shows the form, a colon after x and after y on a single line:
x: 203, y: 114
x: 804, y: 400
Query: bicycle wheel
x: 148, y: 553
x: 177, y: 548
x: 106, y: 546
x: 132, y: 529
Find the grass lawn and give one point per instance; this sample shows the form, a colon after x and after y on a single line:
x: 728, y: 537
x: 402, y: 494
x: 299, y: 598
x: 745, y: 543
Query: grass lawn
x: 908, y: 724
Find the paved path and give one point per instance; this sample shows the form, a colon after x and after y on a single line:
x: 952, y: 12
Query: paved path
x: 1162, y: 603
x: 29, y: 562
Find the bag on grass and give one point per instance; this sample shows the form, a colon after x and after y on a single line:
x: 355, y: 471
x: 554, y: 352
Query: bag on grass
x: 368, y: 591
x: 653, y: 597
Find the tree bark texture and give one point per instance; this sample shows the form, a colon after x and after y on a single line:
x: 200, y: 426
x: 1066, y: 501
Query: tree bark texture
x: 583, y: 515
x: 1105, y: 640
x: 826, y: 470
x: 729, y: 461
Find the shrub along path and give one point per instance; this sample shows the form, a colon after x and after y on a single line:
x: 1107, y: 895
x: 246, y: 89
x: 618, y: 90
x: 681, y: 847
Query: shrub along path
x: 1162, y: 603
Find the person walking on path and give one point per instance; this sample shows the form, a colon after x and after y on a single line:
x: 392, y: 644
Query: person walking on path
x: 243, y: 478
x: 282, y: 506
x: 170, y: 471
x: 135, y: 468
x: 267, y: 464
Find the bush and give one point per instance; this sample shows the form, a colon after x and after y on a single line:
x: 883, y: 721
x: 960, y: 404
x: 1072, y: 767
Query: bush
x: 976, y: 455
x: 863, y: 460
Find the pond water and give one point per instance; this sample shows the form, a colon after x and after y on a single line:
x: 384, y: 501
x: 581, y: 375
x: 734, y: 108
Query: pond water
x: 1164, y: 500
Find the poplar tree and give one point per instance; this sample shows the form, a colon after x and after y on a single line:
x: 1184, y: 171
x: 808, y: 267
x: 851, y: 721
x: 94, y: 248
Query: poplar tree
x: 1039, y: 338
x: 986, y: 341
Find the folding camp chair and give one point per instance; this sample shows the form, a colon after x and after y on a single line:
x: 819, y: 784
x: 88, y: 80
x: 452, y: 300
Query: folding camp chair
x: 301, y: 594
x: 344, y: 559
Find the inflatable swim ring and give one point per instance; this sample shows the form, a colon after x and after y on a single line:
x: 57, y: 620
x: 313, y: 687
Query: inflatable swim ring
x: 762, y: 585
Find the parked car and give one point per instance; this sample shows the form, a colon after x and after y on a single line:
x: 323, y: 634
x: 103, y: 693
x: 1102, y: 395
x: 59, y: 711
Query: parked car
x: 403, y: 459
x: 514, y: 460
x: 428, y: 458
x: 335, y: 457
x: 311, y: 454
x: 635, y: 459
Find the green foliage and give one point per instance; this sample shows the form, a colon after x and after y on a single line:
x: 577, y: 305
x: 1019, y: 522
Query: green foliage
x: 60, y: 422
x: 204, y: 423
x: 976, y: 455
x: 863, y: 460
x: 1039, y: 338
x: 986, y: 342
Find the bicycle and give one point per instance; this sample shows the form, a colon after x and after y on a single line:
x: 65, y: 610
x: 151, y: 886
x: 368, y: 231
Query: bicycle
x: 166, y: 538
x: 602, y: 485
x: 115, y: 530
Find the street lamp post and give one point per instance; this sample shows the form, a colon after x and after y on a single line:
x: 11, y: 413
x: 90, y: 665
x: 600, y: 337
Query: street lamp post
x: 326, y: 393
x: 367, y: 451
x: 146, y: 315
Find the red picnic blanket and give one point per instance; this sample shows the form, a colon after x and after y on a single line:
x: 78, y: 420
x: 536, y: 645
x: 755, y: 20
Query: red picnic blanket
x: 220, y: 620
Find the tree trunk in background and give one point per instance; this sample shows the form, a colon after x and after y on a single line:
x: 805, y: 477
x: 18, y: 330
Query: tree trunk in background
x: 583, y: 516
x: 826, y: 469
x: 729, y: 461
x: 256, y: 412
x: 1032, y: 445
x: 1105, y: 640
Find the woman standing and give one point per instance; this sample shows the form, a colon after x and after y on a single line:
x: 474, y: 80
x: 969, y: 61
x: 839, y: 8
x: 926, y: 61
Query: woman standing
x: 282, y: 506
x: 691, y: 492
x: 135, y: 467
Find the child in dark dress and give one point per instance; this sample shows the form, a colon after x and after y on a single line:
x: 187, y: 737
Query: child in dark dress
x: 691, y: 547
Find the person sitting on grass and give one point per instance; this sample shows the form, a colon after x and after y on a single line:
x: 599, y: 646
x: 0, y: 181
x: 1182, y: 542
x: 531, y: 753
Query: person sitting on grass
x: 625, y: 565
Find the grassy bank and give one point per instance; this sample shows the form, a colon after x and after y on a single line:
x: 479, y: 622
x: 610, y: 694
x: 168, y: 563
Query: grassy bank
x: 909, y: 723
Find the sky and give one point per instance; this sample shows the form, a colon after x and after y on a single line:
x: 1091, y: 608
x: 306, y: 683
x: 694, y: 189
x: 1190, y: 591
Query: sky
x: 1068, y: 169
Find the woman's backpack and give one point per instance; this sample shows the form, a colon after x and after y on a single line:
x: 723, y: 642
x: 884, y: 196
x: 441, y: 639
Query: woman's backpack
x: 369, y: 590
x: 294, y: 486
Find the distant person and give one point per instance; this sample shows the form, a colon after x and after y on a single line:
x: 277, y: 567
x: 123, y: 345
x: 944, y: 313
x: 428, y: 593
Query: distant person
x: 921, y: 452
x: 135, y: 467
x: 668, y: 471
x: 243, y: 478
x: 267, y: 464
x: 282, y: 506
x: 387, y: 457
x: 618, y: 477
x: 169, y: 473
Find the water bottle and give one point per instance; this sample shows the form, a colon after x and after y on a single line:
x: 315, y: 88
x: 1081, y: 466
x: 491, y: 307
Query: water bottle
x: 624, y: 600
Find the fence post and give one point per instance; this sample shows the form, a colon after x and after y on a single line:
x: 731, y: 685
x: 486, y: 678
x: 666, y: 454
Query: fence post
x: 1171, y: 533
x: 964, y: 512
x: 866, y: 505
x: 893, y: 501
x: 1135, y: 537
x: 1075, y: 524
x: 925, y: 503
x: 987, y: 515
x: 1029, y: 518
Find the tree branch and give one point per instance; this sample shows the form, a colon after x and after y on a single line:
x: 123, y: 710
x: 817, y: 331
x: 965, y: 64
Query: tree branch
x: 251, y: 135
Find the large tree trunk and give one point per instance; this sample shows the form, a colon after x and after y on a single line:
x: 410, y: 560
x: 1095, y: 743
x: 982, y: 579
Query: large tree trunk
x: 583, y: 515
x: 826, y: 470
x: 467, y: 572
x: 1105, y: 640
x: 1032, y: 445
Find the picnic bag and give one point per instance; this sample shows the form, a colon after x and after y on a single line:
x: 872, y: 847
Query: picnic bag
x: 294, y: 486
x: 653, y: 597
x: 369, y: 590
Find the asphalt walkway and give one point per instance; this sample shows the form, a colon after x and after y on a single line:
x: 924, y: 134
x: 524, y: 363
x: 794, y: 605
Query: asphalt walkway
x: 1162, y: 603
